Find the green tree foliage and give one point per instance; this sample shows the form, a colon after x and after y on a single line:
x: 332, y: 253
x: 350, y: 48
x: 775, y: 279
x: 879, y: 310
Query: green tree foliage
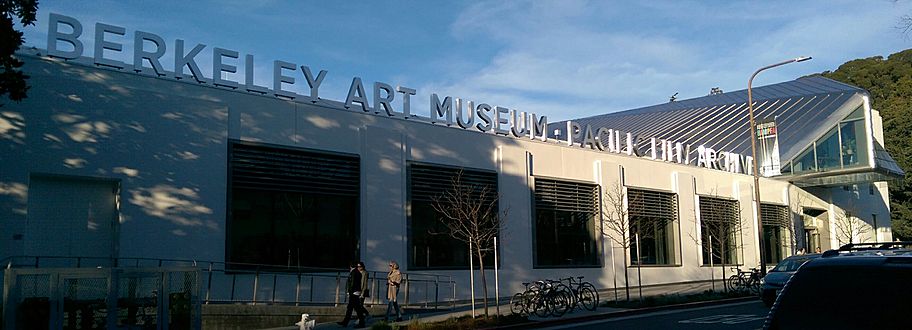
x: 12, y: 81
x: 889, y: 81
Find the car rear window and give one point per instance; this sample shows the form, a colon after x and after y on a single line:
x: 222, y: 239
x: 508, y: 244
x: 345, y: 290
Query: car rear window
x: 790, y: 264
x: 846, y: 296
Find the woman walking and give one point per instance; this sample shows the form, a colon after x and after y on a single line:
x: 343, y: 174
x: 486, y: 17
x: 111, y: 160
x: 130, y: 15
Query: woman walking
x: 393, y: 279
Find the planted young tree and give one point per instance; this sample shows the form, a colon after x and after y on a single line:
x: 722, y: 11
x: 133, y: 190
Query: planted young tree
x: 470, y: 214
x: 849, y: 228
x: 798, y: 207
x: 721, y: 225
x: 616, y: 225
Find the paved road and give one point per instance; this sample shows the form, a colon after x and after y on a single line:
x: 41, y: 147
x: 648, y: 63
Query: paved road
x: 744, y: 315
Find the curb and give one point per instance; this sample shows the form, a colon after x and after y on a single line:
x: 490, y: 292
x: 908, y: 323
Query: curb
x: 629, y: 312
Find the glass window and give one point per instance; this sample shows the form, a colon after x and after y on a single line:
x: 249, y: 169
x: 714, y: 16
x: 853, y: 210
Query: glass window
x: 805, y: 161
x: 720, y: 224
x: 776, y: 237
x: 291, y: 208
x: 854, y: 143
x: 431, y: 244
x: 857, y: 114
x: 828, y: 157
x: 653, y: 216
x: 565, y: 218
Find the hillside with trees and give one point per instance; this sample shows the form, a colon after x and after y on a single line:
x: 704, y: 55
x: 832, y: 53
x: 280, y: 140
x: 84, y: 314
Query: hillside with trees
x: 889, y: 82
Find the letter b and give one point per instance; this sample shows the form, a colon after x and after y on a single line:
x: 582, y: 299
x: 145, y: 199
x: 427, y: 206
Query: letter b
x: 54, y: 35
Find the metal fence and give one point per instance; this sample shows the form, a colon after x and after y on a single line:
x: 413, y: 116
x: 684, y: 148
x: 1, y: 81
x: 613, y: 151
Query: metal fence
x: 228, y: 283
x: 101, y: 298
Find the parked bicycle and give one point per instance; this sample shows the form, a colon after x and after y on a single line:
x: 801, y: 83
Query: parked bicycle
x: 745, y: 281
x: 584, y: 293
x: 545, y: 298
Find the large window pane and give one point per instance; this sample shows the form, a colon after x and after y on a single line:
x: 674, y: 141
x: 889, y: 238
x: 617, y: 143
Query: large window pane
x: 854, y: 143
x: 776, y: 235
x: 292, y: 208
x: 565, y: 217
x: 293, y: 229
x: 805, y: 161
x: 720, y: 224
x: 828, y: 151
x: 653, y: 217
x: 431, y: 243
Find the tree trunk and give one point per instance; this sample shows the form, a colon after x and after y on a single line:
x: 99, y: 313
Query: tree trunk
x: 626, y: 277
x: 724, y: 279
x: 484, y: 282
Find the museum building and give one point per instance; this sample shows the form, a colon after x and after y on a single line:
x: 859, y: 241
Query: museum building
x: 107, y: 159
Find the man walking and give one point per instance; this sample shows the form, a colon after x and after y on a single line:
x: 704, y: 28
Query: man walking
x: 355, y: 287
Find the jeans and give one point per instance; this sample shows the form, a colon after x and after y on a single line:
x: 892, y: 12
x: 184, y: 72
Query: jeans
x: 393, y: 304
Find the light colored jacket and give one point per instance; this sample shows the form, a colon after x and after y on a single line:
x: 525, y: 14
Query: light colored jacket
x: 392, y: 280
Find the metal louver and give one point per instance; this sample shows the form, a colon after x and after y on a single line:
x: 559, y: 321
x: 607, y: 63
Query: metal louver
x: 429, y: 181
x: 652, y: 204
x: 566, y: 196
x: 269, y: 168
x: 714, y: 209
x: 775, y: 215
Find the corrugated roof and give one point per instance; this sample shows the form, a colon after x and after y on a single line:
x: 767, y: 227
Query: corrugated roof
x: 720, y: 121
x: 803, y: 109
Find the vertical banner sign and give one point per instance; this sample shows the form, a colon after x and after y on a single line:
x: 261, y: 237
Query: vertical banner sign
x: 768, y: 152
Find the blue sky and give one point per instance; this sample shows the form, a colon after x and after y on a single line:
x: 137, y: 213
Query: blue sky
x: 563, y: 59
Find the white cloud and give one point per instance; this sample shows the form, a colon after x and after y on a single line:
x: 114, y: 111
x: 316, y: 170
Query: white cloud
x: 575, y: 59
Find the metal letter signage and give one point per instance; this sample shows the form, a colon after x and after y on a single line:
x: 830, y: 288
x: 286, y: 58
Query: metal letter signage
x: 483, y: 117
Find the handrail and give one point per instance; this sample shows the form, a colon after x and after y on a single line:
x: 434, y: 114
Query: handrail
x: 292, y: 277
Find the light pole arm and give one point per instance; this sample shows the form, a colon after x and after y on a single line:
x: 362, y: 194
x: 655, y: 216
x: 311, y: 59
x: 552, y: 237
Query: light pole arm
x: 755, y: 163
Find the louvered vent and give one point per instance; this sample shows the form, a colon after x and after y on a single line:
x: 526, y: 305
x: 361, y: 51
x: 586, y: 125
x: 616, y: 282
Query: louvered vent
x: 429, y: 182
x: 775, y: 215
x: 652, y: 204
x: 714, y: 209
x: 269, y: 168
x: 566, y: 196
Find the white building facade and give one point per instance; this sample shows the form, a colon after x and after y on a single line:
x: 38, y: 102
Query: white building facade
x: 109, y: 162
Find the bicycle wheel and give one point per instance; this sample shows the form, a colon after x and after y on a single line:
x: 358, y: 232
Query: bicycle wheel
x: 734, y: 283
x: 518, y: 304
x: 587, y: 285
x: 588, y: 298
x: 560, y: 300
x: 537, y: 304
x: 755, y: 287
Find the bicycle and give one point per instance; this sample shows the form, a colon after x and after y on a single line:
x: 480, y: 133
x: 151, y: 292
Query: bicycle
x: 745, y: 281
x: 584, y: 293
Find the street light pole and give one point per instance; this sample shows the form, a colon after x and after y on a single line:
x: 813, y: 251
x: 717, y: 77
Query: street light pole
x: 753, y: 135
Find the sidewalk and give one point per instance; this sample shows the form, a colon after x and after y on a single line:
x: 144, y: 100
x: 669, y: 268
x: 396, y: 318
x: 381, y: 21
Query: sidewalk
x: 426, y: 316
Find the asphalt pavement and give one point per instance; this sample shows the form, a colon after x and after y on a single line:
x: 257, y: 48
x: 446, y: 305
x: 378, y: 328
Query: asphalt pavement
x: 741, y: 315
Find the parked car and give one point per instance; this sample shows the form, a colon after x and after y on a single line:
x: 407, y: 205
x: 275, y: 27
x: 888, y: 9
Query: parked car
x: 776, y: 278
x: 859, y: 286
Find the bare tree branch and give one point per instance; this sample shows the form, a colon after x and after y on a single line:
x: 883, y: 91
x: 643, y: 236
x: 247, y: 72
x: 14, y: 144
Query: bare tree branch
x: 470, y: 214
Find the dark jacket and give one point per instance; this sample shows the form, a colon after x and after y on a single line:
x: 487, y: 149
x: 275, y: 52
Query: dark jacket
x: 354, y: 281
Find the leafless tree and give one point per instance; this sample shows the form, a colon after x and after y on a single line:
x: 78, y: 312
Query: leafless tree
x: 470, y: 215
x: 904, y: 24
x: 798, y: 209
x: 616, y: 225
x: 723, y: 225
x: 849, y: 227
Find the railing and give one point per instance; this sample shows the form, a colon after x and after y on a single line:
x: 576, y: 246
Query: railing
x: 228, y: 283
